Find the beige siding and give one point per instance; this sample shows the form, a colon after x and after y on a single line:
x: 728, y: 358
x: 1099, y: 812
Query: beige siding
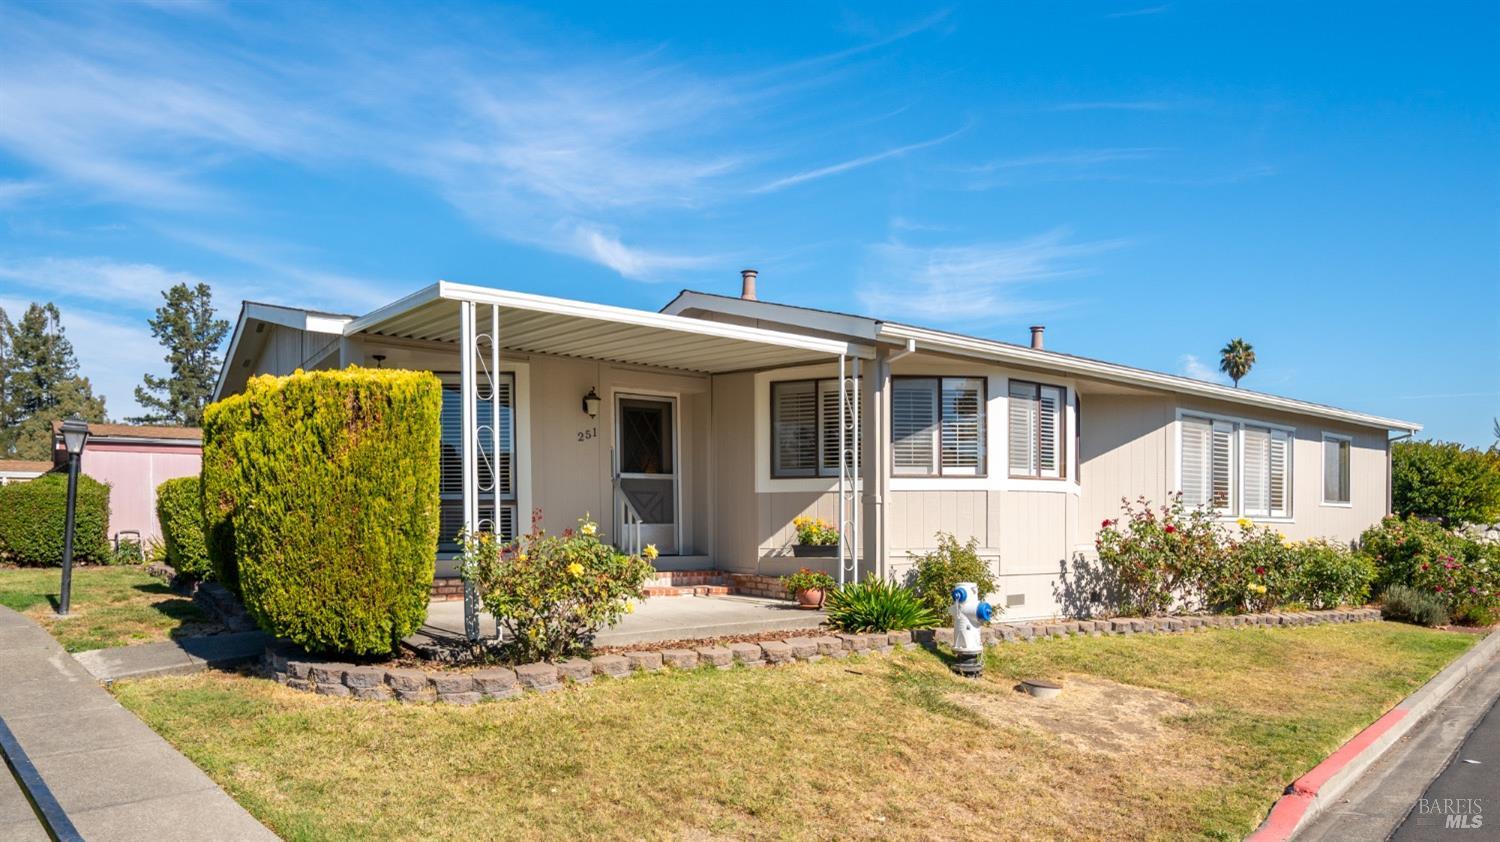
x: 288, y: 349
x: 1126, y: 453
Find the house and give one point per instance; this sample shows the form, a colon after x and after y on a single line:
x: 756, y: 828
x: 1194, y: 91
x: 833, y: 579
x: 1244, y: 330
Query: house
x: 21, y: 470
x: 134, y: 460
x: 707, y: 427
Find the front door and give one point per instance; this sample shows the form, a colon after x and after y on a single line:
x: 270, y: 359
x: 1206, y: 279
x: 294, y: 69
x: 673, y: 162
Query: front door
x: 646, y: 471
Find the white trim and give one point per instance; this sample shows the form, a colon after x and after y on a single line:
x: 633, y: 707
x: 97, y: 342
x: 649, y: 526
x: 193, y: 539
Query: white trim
x: 1002, y: 352
x: 787, y: 314
x: 764, y: 482
x: 1236, y: 509
x: 1323, y: 470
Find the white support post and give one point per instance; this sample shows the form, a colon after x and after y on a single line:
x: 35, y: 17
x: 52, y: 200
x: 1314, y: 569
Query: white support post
x: 495, y: 405
x: 469, y: 457
x: 843, y: 475
x: 854, y: 493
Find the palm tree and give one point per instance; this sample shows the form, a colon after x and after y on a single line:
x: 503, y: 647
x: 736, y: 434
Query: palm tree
x: 1236, y: 360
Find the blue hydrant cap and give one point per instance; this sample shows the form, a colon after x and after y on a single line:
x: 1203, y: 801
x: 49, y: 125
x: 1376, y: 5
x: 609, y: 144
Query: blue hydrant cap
x: 958, y: 594
x: 984, y: 611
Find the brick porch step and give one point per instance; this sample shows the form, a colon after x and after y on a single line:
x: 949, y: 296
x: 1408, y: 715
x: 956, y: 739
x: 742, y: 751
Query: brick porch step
x: 695, y: 590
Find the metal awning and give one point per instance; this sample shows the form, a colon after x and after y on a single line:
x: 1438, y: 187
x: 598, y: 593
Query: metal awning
x: 541, y: 324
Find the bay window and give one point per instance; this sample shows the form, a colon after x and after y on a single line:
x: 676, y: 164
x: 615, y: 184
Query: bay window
x: 1037, y: 435
x: 938, y: 426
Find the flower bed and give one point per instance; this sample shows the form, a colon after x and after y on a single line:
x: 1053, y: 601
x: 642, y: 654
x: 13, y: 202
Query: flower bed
x: 288, y: 665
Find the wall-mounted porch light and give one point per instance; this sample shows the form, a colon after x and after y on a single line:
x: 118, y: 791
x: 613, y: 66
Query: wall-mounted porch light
x: 591, y: 403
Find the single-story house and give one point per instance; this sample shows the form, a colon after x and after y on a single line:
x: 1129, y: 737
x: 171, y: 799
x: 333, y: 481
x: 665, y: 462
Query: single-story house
x: 134, y: 460
x: 707, y: 427
x: 21, y: 470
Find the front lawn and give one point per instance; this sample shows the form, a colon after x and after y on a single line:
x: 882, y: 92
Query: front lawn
x: 1163, y: 737
x: 110, y: 606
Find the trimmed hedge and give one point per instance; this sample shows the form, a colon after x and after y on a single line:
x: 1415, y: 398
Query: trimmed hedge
x: 320, y: 502
x: 33, y: 515
x: 180, y: 511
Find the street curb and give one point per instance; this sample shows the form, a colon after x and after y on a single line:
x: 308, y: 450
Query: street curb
x: 1310, y: 794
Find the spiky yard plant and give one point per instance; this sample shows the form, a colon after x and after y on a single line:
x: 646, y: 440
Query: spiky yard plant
x: 878, y: 605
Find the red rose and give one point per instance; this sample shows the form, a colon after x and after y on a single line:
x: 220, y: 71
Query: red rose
x: 1260, y: 571
x: 1171, y: 529
x: 1106, y: 524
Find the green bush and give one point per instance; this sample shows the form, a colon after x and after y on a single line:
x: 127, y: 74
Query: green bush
x: 33, y: 515
x: 1158, y: 556
x: 1256, y: 571
x: 320, y: 500
x: 1413, y: 606
x: 552, y: 593
x: 1328, y: 574
x: 939, y: 571
x: 179, y: 509
x: 1447, y: 481
x: 1462, y: 573
x: 878, y: 605
x: 127, y: 551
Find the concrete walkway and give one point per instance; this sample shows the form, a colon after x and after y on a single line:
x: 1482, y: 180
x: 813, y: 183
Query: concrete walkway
x: 655, y: 619
x: 181, y: 656
x: 112, y: 777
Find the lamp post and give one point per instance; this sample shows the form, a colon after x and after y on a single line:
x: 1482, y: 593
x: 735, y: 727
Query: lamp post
x: 75, y: 433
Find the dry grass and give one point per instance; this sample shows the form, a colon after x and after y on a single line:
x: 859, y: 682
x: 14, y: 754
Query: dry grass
x: 1169, y: 737
x: 110, y: 606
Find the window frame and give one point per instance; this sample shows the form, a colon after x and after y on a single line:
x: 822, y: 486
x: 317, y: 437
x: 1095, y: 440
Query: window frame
x: 817, y: 390
x: 1063, y: 455
x: 508, y: 502
x: 1236, y: 509
x: 982, y: 470
x: 1348, y: 466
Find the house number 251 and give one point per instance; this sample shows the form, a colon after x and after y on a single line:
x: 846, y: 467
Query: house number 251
x: 585, y: 435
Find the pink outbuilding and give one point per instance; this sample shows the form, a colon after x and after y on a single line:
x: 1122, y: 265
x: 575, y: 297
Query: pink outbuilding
x: 134, y: 460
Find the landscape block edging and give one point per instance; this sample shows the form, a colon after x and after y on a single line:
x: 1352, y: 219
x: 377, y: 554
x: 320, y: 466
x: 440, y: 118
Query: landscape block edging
x: 289, y: 666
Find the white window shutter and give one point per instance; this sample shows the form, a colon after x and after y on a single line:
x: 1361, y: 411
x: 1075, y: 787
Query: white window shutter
x: 1221, y: 470
x: 794, y: 429
x: 1197, y: 456
x: 1281, y: 474
x: 963, y: 426
x: 1021, y: 431
x: 1050, y: 455
x: 828, y: 436
x: 1256, y: 470
x: 914, y: 426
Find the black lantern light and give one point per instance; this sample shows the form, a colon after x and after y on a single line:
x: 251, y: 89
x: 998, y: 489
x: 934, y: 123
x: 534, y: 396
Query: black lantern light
x: 591, y: 403
x: 75, y: 435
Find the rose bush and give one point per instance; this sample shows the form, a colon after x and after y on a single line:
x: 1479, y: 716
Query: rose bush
x: 1464, y: 574
x: 551, y: 594
x: 1158, y: 555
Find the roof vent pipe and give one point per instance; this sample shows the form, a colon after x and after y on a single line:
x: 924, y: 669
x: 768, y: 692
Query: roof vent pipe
x: 747, y: 284
x: 1036, y: 336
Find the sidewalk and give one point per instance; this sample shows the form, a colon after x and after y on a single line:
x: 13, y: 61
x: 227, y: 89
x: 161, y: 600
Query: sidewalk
x: 111, y: 776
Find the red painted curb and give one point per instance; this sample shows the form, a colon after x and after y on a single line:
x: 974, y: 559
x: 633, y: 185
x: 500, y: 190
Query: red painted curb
x: 1289, y: 809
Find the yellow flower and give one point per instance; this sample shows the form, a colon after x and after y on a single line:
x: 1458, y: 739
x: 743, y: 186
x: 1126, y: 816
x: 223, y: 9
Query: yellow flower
x: 1245, y: 523
x: 575, y: 569
x: 520, y: 557
x: 590, y: 529
x: 1258, y: 588
x: 630, y: 608
x: 1284, y: 541
x: 651, y: 552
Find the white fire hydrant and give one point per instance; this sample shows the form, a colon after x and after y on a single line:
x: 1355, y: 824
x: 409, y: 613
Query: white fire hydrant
x: 970, y: 614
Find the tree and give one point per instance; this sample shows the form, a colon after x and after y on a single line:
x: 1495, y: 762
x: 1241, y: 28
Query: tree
x: 5, y: 411
x: 1445, y: 480
x: 1236, y: 359
x: 42, y: 385
x: 186, y: 327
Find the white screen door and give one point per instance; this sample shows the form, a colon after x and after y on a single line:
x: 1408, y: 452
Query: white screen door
x: 646, y: 468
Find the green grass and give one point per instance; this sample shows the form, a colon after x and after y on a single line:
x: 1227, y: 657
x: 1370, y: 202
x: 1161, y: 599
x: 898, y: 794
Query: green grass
x: 110, y: 606
x: 1188, y: 736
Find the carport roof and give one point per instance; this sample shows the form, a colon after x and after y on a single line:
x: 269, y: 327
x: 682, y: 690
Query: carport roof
x: 544, y: 325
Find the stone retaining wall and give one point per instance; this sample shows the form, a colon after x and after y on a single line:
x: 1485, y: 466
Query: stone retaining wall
x: 289, y: 666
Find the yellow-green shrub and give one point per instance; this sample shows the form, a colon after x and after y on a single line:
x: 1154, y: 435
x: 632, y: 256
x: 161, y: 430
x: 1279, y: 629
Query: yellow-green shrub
x: 320, y: 501
x: 181, y: 517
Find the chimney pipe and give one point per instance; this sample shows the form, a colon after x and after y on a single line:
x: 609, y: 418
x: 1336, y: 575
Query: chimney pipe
x: 1036, y: 336
x: 747, y: 284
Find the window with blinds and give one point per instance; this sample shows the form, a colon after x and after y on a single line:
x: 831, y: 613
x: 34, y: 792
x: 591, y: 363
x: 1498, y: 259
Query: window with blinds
x: 938, y: 426
x: 1037, y: 430
x: 805, y: 427
x: 450, y: 464
x: 1336, y: 488
x: 1235, y: 468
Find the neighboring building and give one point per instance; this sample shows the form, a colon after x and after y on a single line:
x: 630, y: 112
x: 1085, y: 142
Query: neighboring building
x: 21, y: 470
x: 717, y: 423
x: 134, y: 460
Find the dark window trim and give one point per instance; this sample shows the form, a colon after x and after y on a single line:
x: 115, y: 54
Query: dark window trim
x: 511, y: 501
x: 817, y: 425
x: 1062, y: 418
x: 984, y: 432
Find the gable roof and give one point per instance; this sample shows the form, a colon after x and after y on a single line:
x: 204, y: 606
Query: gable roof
x: 993, y: 350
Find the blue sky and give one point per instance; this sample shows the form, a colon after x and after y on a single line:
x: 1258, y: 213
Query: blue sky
x: 1148, y: 179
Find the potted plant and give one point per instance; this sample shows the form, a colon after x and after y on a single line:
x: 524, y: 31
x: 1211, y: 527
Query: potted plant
x: 816, y: 538
x: 808, y: 586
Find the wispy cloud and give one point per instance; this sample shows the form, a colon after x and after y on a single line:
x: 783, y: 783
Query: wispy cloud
x: 972, y: 283
x: 14, y: 192
x: 852, y: 164
x: 1189, y: 365
x: 1133, y: 13
x: 1071, y: 158
x: 92, y: 279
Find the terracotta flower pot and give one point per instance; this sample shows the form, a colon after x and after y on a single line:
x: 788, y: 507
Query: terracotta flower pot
x: 810, y: 599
